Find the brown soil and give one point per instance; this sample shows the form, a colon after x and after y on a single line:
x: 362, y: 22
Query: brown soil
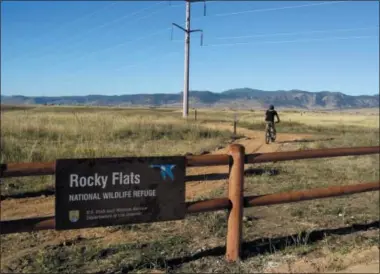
x: 357, y: 261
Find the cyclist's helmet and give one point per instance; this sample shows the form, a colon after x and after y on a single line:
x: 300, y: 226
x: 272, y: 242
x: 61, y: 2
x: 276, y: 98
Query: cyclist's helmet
x: 271, y: 107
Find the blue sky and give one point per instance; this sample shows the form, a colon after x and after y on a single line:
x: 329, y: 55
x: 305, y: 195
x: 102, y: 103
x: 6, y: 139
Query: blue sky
x: 52, y: 48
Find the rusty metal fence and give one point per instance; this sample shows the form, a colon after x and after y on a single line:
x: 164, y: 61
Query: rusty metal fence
x: 234, y: 203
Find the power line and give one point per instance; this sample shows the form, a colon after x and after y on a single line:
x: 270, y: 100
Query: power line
x: 131, y: 14
x: 86, y: 16
x: 272, y: 9
x: 152, y: 46
x: 290, y: 41
x: 146, y: 62
x: 280, y: 8
x: 138, y: 18
x: 76, y: 20
x: 86, y: 54
x: 109, y: 23
x: 140, y: 38
x: 125, y: 16
x: 90, y: 14
x: 128, y: 42
x: 285, y: 33
x: 292, y: 33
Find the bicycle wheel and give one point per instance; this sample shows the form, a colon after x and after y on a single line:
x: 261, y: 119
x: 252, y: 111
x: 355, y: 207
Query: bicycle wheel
x: 273, y: 135
x: 267, y: 135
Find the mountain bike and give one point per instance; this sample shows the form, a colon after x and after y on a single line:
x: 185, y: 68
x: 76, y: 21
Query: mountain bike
x: 270, y: 135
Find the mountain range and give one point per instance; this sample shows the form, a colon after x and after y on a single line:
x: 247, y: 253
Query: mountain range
x: 233, y: 98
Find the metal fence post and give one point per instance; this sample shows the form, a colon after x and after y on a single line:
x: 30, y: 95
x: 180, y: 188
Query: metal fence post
x: 235, y: 195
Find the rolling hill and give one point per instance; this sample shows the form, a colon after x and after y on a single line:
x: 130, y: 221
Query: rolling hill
x: 236, y: 98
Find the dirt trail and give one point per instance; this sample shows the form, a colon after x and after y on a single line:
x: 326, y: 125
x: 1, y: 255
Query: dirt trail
x: 253, y: 142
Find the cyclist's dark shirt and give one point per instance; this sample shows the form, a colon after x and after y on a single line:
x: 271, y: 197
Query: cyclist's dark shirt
x: 269, y: 115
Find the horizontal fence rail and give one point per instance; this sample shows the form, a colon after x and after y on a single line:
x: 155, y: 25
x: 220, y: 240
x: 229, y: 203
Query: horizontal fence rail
x: 311, y: 194
x: 43, y: 223
x: 48, y: 168
x: 236, y: 201
x: 309, y: 154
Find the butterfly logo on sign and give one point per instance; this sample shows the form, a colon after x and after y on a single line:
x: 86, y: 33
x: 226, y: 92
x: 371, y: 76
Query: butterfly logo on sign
x: 166, y: 170
x: 74, y: 215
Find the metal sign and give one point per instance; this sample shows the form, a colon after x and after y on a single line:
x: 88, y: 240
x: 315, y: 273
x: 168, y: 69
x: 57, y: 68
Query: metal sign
x: 115, y: 191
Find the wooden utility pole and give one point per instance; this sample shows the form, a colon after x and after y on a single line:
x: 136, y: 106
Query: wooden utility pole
x: 187, y: 30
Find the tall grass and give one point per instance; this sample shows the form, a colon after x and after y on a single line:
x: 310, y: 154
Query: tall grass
x: 36, y: 136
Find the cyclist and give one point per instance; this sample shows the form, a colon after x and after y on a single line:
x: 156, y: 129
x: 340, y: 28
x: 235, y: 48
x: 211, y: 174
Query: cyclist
x: 269, y: 119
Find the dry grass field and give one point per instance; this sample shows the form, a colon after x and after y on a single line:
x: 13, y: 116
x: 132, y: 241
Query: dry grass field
x: 327, y: 235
